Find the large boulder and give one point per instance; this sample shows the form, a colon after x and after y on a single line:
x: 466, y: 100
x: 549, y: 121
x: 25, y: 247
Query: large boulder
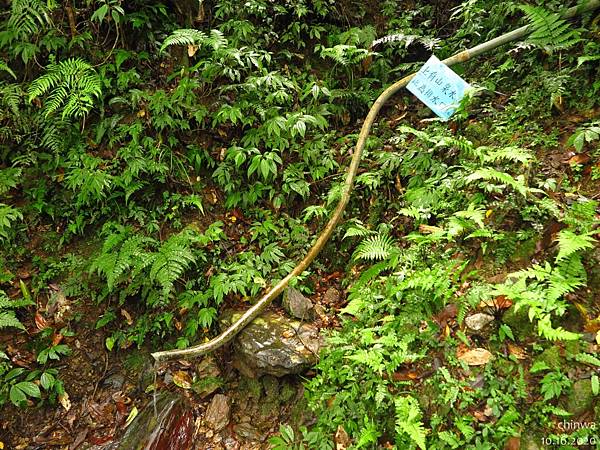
x: 275, y: 345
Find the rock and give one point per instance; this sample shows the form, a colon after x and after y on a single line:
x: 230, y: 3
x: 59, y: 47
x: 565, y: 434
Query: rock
x: 271, y: 386
x: 208, y: 377
x: 581, y: 398
x: 551, y: 356
x: 114, y: 381
x: 217, y: 413
x: 247, y: 432
x: 332, y: 296
x: 297, y: 305
x: 478, y: 321
x: 275, y: 345
x: 172, y: 427
x: 519, y: 323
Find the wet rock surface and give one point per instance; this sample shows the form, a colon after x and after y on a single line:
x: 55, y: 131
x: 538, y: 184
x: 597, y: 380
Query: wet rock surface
x: 172, y: 427
x: 275, y: 345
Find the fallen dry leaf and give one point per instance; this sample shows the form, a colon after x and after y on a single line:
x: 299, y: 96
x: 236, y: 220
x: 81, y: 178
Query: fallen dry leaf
x: 476, y: 357
x: 127, y: 316
x: 429, y: 229
x: 57, y: 338
x: 65, y: 401
x: 405, y: 375
x: 514, y: 443
x: 191, y: 50
x: 581, y: 158
x: 342, y: 440
x: 182, y: 379
x: 40, y: 322
x: 498, y: 303
x: 517, y: 351
x: 449, y: 312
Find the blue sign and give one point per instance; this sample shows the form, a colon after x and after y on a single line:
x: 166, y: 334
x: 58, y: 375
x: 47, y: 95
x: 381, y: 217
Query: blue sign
x: 438, y: 87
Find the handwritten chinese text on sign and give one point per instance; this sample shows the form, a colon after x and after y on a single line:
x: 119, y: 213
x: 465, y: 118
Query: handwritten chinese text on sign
x: 438, y: 87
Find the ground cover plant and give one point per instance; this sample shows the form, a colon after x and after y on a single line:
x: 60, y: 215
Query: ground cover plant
x: 162, y: 163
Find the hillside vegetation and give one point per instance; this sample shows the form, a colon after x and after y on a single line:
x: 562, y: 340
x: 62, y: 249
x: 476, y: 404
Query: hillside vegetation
x: 162, y: 163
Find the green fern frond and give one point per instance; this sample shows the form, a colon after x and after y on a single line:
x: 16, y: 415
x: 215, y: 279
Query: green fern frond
x: 408, y: 420
x: 27, y: 18
x: 185, y: 36
x: 8, y: 214
x: 9, y: 319
x: 358, y: 229
x: 73, y: 85
x: 4, y: 68
x: 464, y: 145
x: 189, y: 36
x: 549, y: 31
x: 570, y: 243
x: 501, y: 177
x: 171, y: 261
x: 374, y: 248
x: 513, y: 154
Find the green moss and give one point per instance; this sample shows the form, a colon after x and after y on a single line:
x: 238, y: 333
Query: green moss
x: 552, y: 357
x: 519, y: 323
x: 581, y: 398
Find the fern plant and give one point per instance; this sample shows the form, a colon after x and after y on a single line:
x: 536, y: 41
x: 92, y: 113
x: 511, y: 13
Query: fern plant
x: 542, y: 288
x: 194, y: 39
x: 8, y: 214
x: 27, y: 19
x: 133, y: 263
x: 375, y: 248
x: 72, y: 85
x: 549, y: 31
x: 8, y: 316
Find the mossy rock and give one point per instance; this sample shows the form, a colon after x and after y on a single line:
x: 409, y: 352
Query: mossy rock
x: 519, y: 323
x: 251, y: 387
x: 552, y: 357
x: 275, y: 345
x: 581, y: 398
x: 477, y: 132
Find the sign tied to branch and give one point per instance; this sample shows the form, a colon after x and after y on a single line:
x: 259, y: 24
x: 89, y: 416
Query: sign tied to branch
x: 438, y: 87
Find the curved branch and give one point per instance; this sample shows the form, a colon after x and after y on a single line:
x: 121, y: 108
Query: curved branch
x: 227, y: 335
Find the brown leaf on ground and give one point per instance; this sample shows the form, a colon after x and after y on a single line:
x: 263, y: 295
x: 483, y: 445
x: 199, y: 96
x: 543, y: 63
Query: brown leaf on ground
x: 65, y: 401
x: 126, y: 316
x: 448, y: 313
x: 517, y: 351
x: 476, y: 357
x: 405, y: 375
x: 514, y: 443
x: 592, y: 326
x: 548, y: 236
x: 182, y: 379
x: 498, y: 303
x: 57, y: 338
x: 430, y: 229
x: 40, y: 322
x: 580, y: 158
x: 342, y: 440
